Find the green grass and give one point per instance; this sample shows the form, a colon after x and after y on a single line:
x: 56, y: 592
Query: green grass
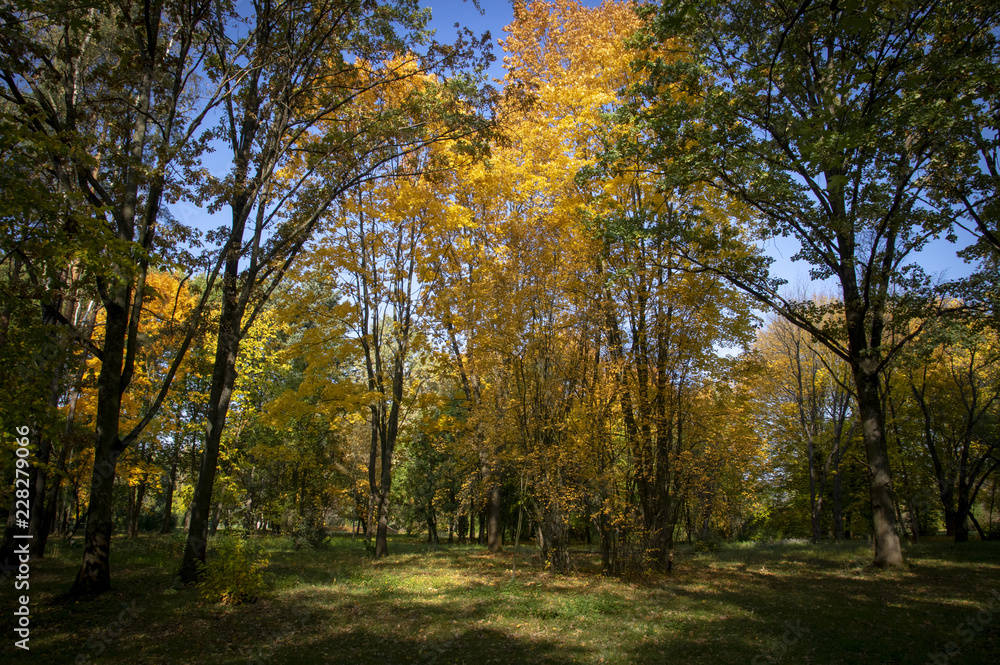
x: 785, y: 603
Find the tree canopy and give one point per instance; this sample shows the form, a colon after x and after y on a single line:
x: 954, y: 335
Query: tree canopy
x: 545, y: 313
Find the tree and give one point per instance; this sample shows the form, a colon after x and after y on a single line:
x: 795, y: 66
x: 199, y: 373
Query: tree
x: 967, y: 174
x: 954, y: 389
x: 374, y: 253
x: 822, y: 119
x: 811, y: 400
x: 303, y: 132
x: 547, y: 315
x: 104, y: 91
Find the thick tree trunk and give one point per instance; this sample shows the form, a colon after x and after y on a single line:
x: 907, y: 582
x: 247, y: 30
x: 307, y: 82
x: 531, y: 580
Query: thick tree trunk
x: 949, y: 520
x: 94, y: 576
x: 552, y: 541
x: 887, y: 548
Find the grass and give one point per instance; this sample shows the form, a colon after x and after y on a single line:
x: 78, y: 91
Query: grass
x: 784, y: 603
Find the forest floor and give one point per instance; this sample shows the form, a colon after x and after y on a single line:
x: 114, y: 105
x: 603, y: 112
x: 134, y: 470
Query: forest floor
x: 781, y: 603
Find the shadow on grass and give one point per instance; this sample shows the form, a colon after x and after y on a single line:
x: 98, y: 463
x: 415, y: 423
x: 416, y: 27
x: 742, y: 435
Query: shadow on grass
x: 776, y: 604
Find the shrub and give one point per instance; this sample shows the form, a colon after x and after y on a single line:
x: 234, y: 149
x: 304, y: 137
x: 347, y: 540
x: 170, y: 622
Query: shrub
x: 710, y: 542
x: 313, y: 529
x: 235, y: 574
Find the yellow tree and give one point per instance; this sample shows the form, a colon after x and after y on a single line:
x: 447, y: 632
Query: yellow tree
x: 320, y: 95
x: 373, y: 254
x: 531, y: 290
x: 509, y: 281
x: 162, y: 328
x: 811, y: 392
x: 657, y: 322
x: 950, y: 385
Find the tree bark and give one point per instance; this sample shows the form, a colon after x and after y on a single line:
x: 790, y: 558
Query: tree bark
x: 223, y: 379
x: 887, y: 548
x: 94, y: 576
x: 493, y: 535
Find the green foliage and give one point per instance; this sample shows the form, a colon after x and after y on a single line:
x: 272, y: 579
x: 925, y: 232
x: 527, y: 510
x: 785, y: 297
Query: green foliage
x: 709, y: 542
x: 313, y: 530
x: 236, y: 574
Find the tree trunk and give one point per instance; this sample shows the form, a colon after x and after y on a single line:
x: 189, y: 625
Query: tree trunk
x: 552, y: 541
x: 167, y: 526
x: 385, y: 429
x: 432, y: 534
x: 838, y: 506
x: 39, y: 499
x: 37, y: 482
x: 950, y: 518
x: 962, y: 513
x: 213, y: 526
x: 887, y: 548
x: 366, y: 521
x: 382, y: 534
x: 94, y: 576
x: 168, y: 500
x: 472, y: 522
x: 140, y: 495
x: 223, y: 378
x: 48, y: 524
x: 131, y: 514
x: 493, y: 535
